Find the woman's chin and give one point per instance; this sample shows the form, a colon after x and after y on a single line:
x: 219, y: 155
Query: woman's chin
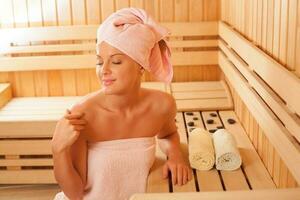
x: 107, y: 90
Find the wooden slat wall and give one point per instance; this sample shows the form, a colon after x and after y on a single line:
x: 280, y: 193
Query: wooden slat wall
x: 272, y: 161
x: 29, y: 13
x: 272, y: 25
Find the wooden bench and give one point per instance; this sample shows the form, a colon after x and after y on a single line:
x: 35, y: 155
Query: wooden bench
x: 255, y: 87
x: 252, y: 175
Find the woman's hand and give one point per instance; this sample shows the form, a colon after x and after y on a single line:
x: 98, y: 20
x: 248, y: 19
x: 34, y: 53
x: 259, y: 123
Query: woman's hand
x: 67, y: 130
x: 180, y: 170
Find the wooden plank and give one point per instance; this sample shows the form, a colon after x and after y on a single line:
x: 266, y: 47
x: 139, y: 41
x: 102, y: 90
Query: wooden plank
x: 200, y: 95
x: 5, y: 94
x: 47, y: 62
x: 55, y: 83
x: 88, y: 61
x: 259, y: 22
x: 265, y: 65
x: 167, y: 16
x: 297, y: 69
x: 50, y: 33
x: 107, y: 8
x: 203, y: 104
x: 267, y: 121
x: 194, y: 58
x: 290, y: 120
x: 210, y: 11
x: 28, y: 129
x: 292, y: 34
x: 283, y: 31
x: 196, y: 10
x: 211, y: 121
x: 196, y: 86
x: 228, y: 195
x: 41, y: 83
x: 254, y: 16
x: 152, y: 8
x: 181, y: 11
x: 26, y: 162
x: 228, y: 93
x: 88, y: 32
x: 49, y: 48
x: 49, y: 13
x: 193, y: 43
x: 276, y: 30
x: 192, y: 28
x: 82, y: 82
x: 264, y: 23
x: 270, y: 27
x: 7, y: 14
x: 49, y: 117
x: 93, y: 12
x: 25, y: 147
x: 33, y: 192
x: 27, y: 176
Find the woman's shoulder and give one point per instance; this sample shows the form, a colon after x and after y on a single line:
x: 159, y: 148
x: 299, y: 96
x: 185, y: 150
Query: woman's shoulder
x: 86, y: 102
x: 161, y: 100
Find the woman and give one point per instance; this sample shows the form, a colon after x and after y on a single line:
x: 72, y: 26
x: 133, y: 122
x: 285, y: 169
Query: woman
x: 103, y: 148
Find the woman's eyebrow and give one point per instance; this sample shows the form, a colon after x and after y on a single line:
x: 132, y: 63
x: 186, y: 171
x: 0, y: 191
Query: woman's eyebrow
x: 98, y: 56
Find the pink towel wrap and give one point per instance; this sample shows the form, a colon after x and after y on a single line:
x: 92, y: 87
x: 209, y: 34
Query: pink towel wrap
x: 137, y: 35
x: 117, y: 169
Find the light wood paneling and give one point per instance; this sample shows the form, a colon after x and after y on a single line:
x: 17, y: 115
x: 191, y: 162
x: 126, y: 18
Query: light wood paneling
x: 65, y: 67
x: 272, y: 25
x: 265, y: 149
x: 29, y: 13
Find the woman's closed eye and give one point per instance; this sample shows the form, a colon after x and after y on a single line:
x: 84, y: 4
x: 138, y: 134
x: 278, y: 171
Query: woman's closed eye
x: 116, y: 63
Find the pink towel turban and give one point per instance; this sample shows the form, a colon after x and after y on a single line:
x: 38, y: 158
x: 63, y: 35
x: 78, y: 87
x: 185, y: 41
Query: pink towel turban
x: 137, y: 35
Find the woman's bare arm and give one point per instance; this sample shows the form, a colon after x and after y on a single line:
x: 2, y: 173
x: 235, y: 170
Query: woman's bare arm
x: 169, y: 143
x: 70, y: 162
x: 70, y: 174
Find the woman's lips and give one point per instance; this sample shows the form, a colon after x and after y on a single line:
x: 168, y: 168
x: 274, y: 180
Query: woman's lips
x: 108, y: 82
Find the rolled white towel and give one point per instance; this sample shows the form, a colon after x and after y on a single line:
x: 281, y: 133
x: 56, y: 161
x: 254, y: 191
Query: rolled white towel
x: 201, y: 149
x: 227, y: 153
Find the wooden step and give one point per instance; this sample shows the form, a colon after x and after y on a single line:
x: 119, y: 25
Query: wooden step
x: 210, y: 95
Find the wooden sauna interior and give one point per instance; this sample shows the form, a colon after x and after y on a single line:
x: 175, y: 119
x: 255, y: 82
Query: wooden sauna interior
x: 244, y: 55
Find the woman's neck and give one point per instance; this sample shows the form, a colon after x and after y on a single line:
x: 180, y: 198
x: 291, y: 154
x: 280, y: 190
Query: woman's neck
x: 123, y: 103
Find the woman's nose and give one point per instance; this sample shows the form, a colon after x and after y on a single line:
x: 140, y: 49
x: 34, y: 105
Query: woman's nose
x: 105, y: 68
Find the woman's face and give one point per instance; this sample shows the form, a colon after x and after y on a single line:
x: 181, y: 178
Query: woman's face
x: 118, y: 73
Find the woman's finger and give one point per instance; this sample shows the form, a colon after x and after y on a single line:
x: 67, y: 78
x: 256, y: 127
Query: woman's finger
x: 165, y: 171
x: 77, y: 121
x: 190, y: 173
x: 74, y: 115
x: 179, y: 174
x: 174, y: 174
x: 185, y: 175
x: 78, y: 128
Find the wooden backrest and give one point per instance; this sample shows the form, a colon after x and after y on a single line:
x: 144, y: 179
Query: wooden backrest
x: 268, y: 89
x: 73, y: 47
